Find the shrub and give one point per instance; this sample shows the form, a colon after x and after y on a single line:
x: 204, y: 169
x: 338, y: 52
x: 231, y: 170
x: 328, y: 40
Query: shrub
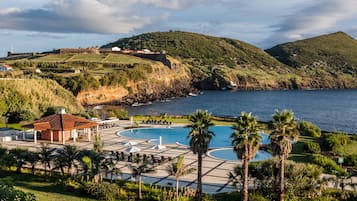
x: 351, y: 160
x: 9, y: 193
x: 336, y: 141
x: 21, y: 115
x: 103, y: 191
x: 309, y: 129
x: 329, y: 165
x: 312, y: 147
x: 257, y: 197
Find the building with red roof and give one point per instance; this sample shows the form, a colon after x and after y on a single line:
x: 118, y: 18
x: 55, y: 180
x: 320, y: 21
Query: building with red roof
x: 61, y: 127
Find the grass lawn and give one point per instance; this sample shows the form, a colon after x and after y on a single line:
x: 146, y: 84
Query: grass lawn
x: 125, y: 59
x: 350, y: 149
x: 54, y: 58
x: 179, y: 120
x: 13, y: 126
x: 298, y: 154
x: 43, y: 190
x: 88, y: 57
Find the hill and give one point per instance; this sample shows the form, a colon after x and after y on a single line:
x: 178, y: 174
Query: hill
x: 110, y: 78
x: 334, y: 52
x: 199, y: 49
x: 27, y: 99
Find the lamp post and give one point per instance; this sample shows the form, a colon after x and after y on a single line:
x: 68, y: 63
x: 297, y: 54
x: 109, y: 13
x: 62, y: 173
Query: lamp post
x: 6, y: 119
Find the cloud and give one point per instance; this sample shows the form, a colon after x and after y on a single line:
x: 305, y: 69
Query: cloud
x: 45, y: 35
x: 171, y: 4
x: 322, y: 17
x: 88, y: 16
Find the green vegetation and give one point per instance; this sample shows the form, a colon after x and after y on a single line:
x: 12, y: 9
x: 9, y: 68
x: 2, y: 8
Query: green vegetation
x: 329, y: 165
x: 337, y: 141
x: 199, y: 49
x: 309, y: 129
x: 246, y: 142
x: 336, y: 52
x: 200, y: 137
x: 27, y: 99
x: 312, y: 147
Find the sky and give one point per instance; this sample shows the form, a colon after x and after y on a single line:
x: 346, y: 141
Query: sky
x: 42, y: 25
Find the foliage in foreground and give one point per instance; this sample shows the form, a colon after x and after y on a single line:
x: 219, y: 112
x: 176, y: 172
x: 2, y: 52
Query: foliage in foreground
x: 9, y: 193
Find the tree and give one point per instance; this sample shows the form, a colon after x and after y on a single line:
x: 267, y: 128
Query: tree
x: 19, y: 155
x: 98, y: 143
x: 246, y: 142
x: 46, y: 155
x: 138, y: 170
x: 200, y: 138
x: 284, y: 131
x: 69, y: 154
x: 32, y: 158
x: 179, y: 169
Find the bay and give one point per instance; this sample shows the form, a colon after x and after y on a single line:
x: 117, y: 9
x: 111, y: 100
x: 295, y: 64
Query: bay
x: 329, y: 109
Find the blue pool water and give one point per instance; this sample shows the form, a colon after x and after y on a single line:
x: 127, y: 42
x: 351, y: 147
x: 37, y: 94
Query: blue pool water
x: 179, y: 135
x: 229, y: 154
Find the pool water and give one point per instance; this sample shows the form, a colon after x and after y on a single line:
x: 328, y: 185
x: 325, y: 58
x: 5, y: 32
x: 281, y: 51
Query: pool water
x: 179, y: 135
x: 229, y: 154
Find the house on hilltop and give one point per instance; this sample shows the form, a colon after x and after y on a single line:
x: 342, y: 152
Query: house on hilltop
x: 5, y: 68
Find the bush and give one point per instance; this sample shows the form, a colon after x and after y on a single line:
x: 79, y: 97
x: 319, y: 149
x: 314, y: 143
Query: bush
x: 309, y: 129
x: 329, y: 165
x: 336, y: 141
x: 351, y: 160
x: 312, y: 147
x: 103, y: 191
x: 21, y: 115
x: 257, y: 197
x: 9, y: 193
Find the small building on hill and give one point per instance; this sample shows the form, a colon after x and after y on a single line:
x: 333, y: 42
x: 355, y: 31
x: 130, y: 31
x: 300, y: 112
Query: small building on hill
x: 61, y: 127
x: 5, y: 68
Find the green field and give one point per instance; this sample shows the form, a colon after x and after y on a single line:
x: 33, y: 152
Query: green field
x: 98, y: 58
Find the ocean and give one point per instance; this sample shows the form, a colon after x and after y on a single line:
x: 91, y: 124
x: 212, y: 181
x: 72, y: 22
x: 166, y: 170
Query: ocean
x: 329, y: 109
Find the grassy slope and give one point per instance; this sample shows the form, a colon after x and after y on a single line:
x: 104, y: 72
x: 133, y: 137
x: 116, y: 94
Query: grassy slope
x: 203, y: 49
x: 338, y: 50
x: 37, y: 95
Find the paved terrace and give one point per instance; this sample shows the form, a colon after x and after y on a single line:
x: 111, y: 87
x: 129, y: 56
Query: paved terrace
x: 215, y: 172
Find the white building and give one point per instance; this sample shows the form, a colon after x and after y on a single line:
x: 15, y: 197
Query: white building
x: 116, y: 49
x: 5, y: 68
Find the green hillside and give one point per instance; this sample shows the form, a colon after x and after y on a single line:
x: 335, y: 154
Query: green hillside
x: 335, y: 52
x: 198, y: 49
x: 27, y: 99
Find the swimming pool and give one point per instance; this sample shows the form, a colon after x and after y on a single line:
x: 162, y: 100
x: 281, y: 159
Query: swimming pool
x: 229, y: 154
x: 179, y: 135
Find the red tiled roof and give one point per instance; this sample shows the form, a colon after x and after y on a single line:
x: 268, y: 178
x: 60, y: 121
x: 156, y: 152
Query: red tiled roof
x: 61, y: 122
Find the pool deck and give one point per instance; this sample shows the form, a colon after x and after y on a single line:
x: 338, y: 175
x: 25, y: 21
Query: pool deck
x: 214, y: 171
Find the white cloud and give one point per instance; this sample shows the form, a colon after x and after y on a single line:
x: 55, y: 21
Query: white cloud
x: 77, y: 16
x: 322, y: 17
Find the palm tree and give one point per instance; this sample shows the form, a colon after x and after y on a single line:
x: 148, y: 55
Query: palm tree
x: 32, y: 158
x: 178, y: 170
x: 246, y: 141
x: 138, y: 170
x: 200, y: 138
x: 284, y: 131
x: 46, y: 155
x: 19, y: 156
x: 69, y: 154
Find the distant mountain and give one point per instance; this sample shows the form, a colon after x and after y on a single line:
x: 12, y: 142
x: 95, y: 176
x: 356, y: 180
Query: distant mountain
x: 335, y: 52
x: 199, y: 49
